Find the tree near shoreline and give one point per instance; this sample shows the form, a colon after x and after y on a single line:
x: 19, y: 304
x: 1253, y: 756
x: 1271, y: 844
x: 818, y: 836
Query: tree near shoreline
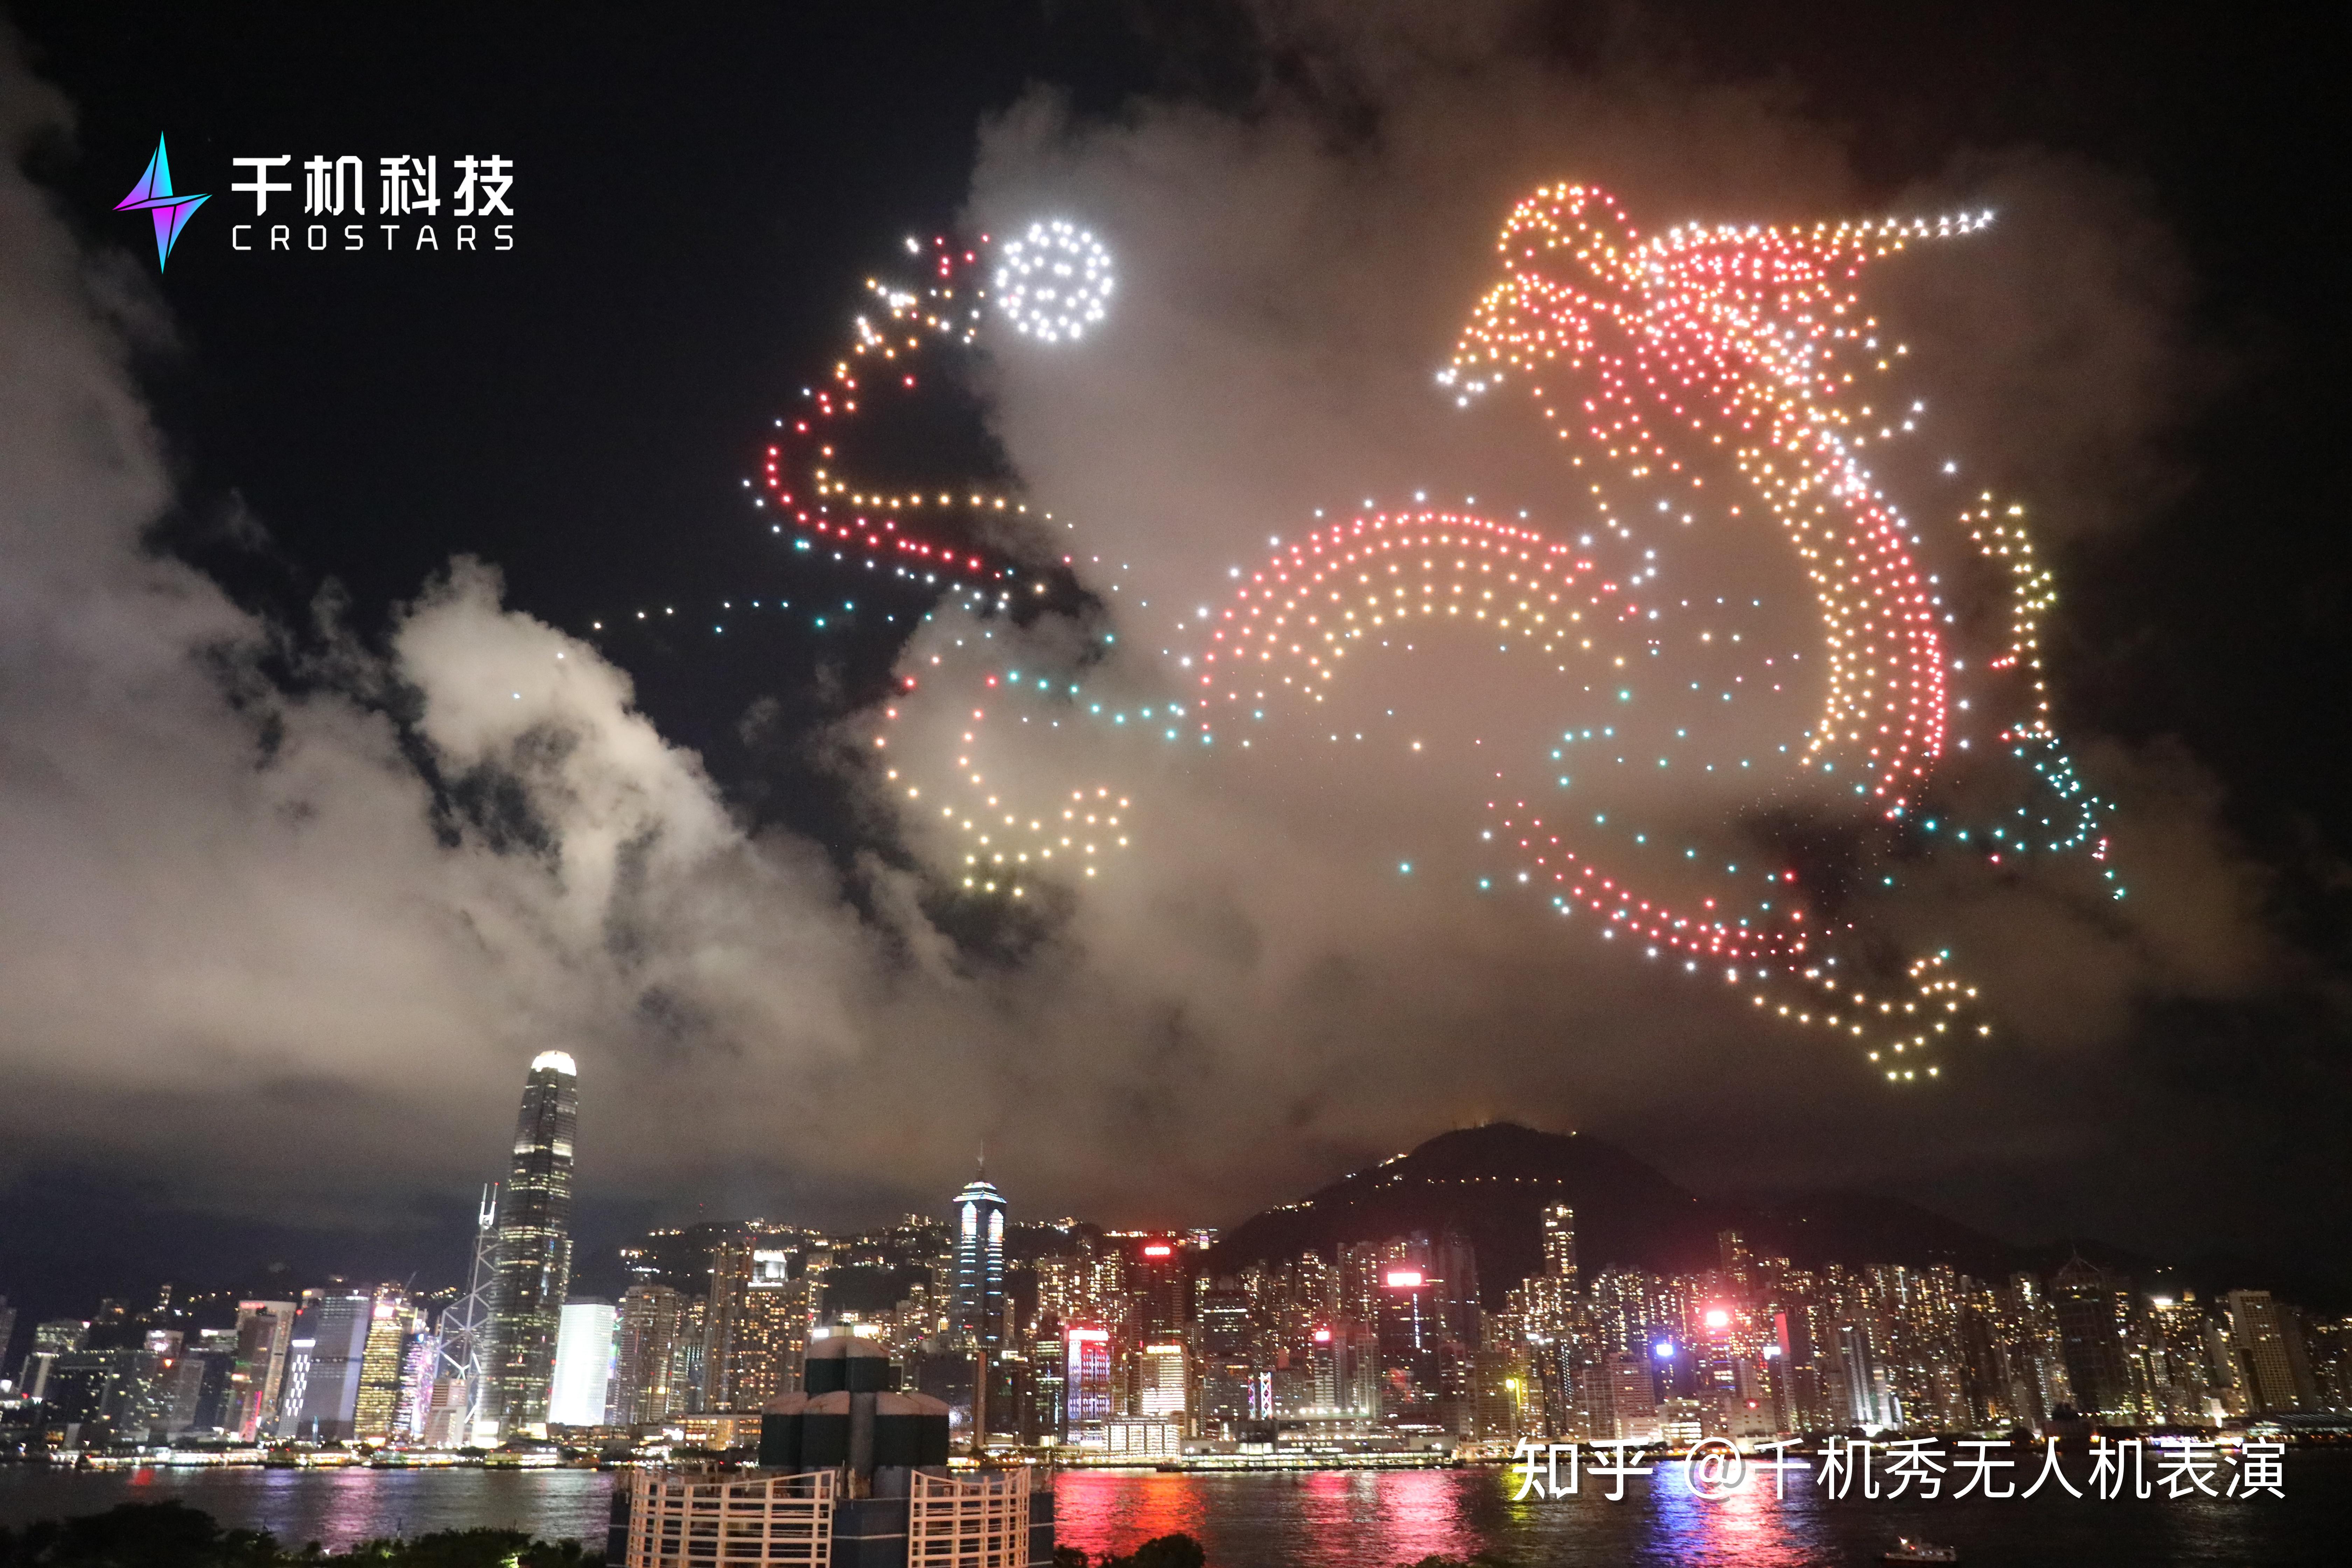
x: 171, y: 1534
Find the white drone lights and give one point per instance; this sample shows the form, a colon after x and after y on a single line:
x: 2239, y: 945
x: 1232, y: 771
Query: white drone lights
x: 1052, y: 283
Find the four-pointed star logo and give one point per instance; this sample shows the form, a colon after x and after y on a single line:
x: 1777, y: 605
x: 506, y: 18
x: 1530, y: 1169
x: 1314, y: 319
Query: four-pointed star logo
x: 153, y: 194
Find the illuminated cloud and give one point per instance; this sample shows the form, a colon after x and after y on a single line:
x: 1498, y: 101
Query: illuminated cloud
x: 257, y: 930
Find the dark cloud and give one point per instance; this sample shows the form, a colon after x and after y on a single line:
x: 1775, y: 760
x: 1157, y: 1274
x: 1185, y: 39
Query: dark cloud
x: 290, y: 937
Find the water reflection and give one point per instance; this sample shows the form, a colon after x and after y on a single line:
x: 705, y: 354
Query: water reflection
x: 1334, y: 1519
x: 334, y: 1508
x: 1752, y: 1528
x: 1383, y: 1519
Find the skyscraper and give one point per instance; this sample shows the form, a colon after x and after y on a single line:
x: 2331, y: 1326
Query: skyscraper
x: 976, y: 1310
x: 534, y: 1254
x: 759, y: 1322
x: 56, y: 1337
x: 318, y: 1399
x: 2093, y: 1311
x: 1086, y: 1387
x: 1162, y: 1382
x: 265, y: 1333
x: 2256, y: 1335
x: 584, y: 1365
x: 645, y: 1337
x: 1160, y: 1288
x: 393, y: 1324
x: 1559, y: 1246
x: 462, y: 1339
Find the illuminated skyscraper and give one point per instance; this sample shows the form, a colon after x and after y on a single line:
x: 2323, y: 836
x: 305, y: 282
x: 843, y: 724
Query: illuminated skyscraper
x: 462, y: 1336
x: 976, y: 1310
x: 1086, y: 1387
x: 534, y: 1254
x: 2257, y: 1334
x: 584, y: 1365
x: 1159, y: 1287
x: 761, y: 1314
x: 2095, y: 1313
x: 319, y: 1398
x: 1161, y: 1382
x: 1343, y: 1364
x: 393, y: 1324
x: 56, y: 1337
x: 646, y: 1339
x: 1559, y: 1246
x: 265, y: 1333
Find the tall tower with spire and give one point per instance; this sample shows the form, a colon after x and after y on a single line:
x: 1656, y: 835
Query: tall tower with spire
x: 534, y: 1254
x: 976, y: 1305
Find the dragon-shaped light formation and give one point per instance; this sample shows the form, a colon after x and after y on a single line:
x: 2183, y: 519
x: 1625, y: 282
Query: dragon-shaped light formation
x: 1703, y: 383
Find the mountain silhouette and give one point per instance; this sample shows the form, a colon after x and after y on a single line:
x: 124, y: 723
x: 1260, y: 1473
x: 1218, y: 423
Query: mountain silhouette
x: 1493, y: 1182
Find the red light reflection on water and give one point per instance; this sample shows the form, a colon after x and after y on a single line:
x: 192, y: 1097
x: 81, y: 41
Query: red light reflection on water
x: 1750, y: 1527
x: 1415, y: 1513
x: 1321, y: 1516
x: 1107, y: 1512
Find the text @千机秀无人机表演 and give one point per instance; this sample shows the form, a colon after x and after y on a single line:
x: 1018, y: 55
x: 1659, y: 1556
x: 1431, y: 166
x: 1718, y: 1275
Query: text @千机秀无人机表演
x: 1920, y: 1467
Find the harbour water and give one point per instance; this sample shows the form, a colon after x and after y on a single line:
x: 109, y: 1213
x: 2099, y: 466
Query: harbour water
x: 1339, y: 1519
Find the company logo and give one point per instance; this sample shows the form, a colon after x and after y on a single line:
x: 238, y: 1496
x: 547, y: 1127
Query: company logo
x: 153, y: 195
x: 407, y: 212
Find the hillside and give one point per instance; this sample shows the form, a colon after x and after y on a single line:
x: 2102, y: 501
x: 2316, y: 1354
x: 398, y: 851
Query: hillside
x: 1492, y: 1183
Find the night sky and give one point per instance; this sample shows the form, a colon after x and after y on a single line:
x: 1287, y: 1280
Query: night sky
x: 284, y: 906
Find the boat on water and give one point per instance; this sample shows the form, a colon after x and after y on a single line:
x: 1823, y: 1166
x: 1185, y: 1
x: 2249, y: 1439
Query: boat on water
x: 1909, y: 1550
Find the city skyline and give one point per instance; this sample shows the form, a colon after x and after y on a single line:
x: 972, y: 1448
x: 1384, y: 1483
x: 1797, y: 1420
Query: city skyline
x: 1131, y: 1344
x: 758, y: 1256
x: 1386, y: 1344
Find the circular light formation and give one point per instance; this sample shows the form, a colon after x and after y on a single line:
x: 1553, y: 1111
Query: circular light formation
x: 1053, y: 282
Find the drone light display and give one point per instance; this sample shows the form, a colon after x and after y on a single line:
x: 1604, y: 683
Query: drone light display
x: 1703, y: 385
x: 1053, y: 282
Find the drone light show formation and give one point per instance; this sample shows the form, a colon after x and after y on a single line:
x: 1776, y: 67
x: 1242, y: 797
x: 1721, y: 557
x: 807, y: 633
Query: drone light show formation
x: 1700, y: 780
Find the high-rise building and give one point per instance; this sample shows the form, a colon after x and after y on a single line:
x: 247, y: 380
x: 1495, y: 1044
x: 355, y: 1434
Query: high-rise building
x: 1626, y: 1402
x: 731, y: 1265
x: 644, y: 1339
x: 319, y: 1398
x: 461, y: 1338
x: 393, y: 1324
x: 534, y: 1254
x: 1159, y: 1287
x: 778, y: 1311
x: 1861, y: 1378
x: 419, y: 1368
x: 2095, y: 1312
x: 761, y: 1313
x: 1343, y: 1364
x: 976, y: 1306
x: 1224, y: 1315
x: 7, y: 1332
x: 1161, y: 1382
x: 265, y: 1333
x: 584, y: 1365
x: 686, y: 1361
x: 1559, y: 1245
x: 51, y: 1339
x: 2258, y: 1336
x: 1049, y: 1370
x: 92, y: 1395
x: 1086, y: 1387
